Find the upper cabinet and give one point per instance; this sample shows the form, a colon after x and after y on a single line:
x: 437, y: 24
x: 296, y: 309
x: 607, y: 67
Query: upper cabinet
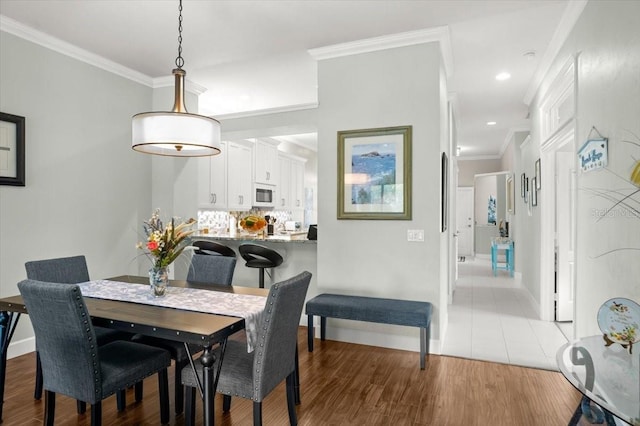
x: 291, y: 186
x: 212, y: 180
x: 238, y: 176
x: 265, y: 162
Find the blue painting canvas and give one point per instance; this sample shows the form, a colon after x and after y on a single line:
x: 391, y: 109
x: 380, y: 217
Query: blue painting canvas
x: 491, y: 210
x: 378, y: 163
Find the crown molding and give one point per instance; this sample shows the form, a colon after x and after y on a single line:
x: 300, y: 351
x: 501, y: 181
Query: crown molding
x: 276, y: 110
x: 169, y: 81
x: 507, y: 140
x: 392, y: 41
x: 27, y: 33
x: 567, y: 22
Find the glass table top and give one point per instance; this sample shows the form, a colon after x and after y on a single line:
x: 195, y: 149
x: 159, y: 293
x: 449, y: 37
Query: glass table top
x: 609, y: 376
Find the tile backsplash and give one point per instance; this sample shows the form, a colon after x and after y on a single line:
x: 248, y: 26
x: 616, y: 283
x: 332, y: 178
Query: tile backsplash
x: 218, y: 221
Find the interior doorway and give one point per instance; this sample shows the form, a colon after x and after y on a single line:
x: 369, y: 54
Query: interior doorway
x: 464, y: 222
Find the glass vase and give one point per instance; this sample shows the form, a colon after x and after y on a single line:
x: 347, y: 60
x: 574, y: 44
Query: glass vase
x: 159, y: 281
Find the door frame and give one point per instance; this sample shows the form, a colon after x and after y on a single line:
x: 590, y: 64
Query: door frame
x: 547, y: 202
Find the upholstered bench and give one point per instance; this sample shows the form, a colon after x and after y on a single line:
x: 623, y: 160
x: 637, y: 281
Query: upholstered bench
x: 371, y: 309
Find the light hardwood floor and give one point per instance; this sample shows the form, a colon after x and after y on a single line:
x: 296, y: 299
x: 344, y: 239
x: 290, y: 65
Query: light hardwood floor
x: 348, y: 384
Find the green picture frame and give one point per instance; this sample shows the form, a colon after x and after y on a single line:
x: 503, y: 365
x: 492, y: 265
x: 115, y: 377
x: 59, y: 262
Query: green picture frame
x: 374, y: 173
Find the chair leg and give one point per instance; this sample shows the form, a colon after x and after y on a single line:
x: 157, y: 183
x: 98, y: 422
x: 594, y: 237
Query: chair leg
x: 190, y: 406
x: 179, y: 389
x: 261, y: 275
x: 49, y: 407
x: 226, y: 403
x: 257, y: 413
x: 291, y: 398
x: 81, y: 407
x: 37, y: 392
x: 163, y: 390
x: 121, y: 399
x: 297, y: 377
x: 138, y: 388
x: 96, y: 414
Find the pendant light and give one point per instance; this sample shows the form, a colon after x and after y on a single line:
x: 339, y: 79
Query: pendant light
x: 176, y: 133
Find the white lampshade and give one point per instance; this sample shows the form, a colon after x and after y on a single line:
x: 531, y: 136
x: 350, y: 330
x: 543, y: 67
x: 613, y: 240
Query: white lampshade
x: 177, y: 134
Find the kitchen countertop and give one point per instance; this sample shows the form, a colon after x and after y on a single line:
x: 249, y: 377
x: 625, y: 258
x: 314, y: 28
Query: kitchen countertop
x: 286, y: 237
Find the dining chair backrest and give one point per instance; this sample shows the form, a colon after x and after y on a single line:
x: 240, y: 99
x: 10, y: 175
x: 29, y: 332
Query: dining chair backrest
x: 275, y: 351
x: 66, y: 338
x: 211, y: 269
x: 70, y: 270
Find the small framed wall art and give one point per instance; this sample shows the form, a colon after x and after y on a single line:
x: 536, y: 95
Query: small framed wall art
x: 12, y: 151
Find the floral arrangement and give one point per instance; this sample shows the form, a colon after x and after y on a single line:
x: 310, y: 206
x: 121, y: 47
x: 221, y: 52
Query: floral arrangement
x: 165, y: 243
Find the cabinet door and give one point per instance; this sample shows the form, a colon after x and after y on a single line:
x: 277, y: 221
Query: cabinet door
x: 297, y: 185
x: 265, y: 163
x: 283, y: 202
x: 239, y: 177
x: 212, y: 180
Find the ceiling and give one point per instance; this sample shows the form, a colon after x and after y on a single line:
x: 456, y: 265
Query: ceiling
x: 253, y: 55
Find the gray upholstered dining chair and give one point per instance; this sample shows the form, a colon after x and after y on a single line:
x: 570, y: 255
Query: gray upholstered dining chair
x: 68, y: 270
x: 254, y: 375
x: 73, y: 364
x: 204, y: 268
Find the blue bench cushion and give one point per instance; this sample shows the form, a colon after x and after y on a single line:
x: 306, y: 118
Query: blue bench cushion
x: 371, y: 309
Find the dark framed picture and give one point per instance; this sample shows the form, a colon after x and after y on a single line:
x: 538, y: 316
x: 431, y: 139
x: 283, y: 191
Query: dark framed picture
x: 523, y: 183
x: 12, y: 151
x: 444, y: 192
x: 534, y: 192
x: 526, y: 189
x: 374, y: 173
x: 538, y: 185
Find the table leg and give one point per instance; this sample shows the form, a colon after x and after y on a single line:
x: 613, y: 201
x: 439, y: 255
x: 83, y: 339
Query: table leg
x: 8, y: 323
x: 208, y: 359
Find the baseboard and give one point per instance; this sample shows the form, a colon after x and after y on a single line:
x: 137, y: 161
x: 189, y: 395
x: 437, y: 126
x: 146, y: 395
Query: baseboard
x: 483, y: 256
x: 21, y: 347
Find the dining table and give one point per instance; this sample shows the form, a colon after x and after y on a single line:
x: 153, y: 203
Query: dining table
x: 125, y: 303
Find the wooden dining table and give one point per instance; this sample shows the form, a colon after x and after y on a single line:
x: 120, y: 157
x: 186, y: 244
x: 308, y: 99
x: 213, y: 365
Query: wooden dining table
x: 189, y: 327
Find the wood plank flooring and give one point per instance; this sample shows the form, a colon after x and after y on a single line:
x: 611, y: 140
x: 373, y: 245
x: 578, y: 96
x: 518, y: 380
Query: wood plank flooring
x: 347, y: 384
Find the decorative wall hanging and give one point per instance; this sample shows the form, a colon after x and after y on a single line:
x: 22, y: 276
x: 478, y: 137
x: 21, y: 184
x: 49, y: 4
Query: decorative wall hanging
x: 12, y: 150
x: 374, y: 173
x: 510, y: 195
x: 534, y: 192
x: 523, y: 186
x: 444, y: 192
x: 593, y: 153
x: 538, y: 185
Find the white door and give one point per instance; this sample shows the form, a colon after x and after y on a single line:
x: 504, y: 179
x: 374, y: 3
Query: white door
x: 464, y: 221
x: 565, y: 257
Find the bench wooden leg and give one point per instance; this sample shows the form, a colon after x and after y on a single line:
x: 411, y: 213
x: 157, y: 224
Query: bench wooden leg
x: 310, y: 333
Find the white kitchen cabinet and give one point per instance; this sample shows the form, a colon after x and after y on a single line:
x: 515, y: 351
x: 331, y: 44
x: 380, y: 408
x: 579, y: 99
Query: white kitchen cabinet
x: 291, y: 186
x: 265, y: 162
x: 283, y: 202
x: 238, y: 176
x: 212, y: 180
x: 297, y: 185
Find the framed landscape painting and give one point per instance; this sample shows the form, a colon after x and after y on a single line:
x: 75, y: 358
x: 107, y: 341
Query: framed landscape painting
x: 374, y: 173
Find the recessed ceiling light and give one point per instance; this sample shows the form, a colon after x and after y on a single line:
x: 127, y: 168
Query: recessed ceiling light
x: 503, y: 76
x: 491, y: 123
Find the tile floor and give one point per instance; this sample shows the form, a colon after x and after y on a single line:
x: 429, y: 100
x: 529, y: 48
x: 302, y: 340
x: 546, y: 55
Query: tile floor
x: 492, y: 319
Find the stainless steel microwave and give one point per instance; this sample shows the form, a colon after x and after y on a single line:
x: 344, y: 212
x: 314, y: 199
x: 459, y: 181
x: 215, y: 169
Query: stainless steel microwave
x: 263, y: 195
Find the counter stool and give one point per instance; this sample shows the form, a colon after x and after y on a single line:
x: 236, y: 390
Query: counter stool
x: 260, y: 257
x: 211, y: 247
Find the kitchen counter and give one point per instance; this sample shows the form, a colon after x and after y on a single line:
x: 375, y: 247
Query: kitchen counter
x: 299, y: 254
x: 286, y: 237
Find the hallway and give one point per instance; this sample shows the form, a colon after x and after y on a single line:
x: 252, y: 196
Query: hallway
x: 492, y: 319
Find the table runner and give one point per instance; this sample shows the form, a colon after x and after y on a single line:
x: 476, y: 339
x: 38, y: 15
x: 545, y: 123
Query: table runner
x: 245, y: 306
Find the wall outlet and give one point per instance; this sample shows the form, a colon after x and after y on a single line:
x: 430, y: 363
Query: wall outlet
x: 415, y: 235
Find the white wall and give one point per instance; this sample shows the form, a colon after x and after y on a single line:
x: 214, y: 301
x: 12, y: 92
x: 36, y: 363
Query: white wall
x: 381, y: 89
x: 86, y: 191
x: 607, y: 39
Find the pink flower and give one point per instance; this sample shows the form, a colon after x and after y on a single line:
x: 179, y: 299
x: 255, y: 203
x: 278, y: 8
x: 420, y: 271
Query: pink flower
x: 152, y: 245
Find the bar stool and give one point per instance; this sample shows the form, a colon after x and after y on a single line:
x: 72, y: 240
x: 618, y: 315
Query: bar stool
x: 507, y: 246
x: 260, y: 257
x: 211, y: 247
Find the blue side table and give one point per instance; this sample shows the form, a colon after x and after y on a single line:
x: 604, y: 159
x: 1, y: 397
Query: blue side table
x: 506, y: 245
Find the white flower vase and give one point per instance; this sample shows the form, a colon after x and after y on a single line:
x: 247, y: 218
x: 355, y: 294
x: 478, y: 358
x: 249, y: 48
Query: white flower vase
x: 159, y: 281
